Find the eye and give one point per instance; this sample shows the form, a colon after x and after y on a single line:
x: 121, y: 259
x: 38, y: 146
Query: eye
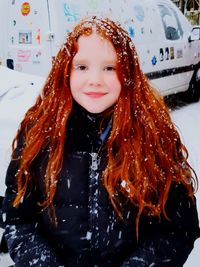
x: 110, y: 68
x: 80, y: 67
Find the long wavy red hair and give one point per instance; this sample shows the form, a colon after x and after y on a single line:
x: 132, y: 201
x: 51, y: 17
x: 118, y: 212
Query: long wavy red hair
x: 145, y: 153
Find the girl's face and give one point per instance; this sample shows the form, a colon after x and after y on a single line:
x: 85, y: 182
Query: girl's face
x: 93, y: 79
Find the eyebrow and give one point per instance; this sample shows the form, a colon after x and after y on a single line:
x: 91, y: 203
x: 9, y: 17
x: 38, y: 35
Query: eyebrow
x: 79, y: 60
x: 85, y: 61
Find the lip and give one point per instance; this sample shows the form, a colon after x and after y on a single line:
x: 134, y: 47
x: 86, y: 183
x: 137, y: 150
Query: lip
x: 95, y: 94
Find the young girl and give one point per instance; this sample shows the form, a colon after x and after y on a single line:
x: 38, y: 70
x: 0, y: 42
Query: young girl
x: 99, y: 176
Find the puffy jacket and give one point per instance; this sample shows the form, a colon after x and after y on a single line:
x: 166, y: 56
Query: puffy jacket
x: 89, y: 233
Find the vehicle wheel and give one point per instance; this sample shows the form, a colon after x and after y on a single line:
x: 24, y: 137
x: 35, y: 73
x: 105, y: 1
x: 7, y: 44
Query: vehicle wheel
x: 193, y: 92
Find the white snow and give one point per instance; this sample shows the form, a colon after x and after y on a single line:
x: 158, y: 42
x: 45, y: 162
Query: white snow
x: 18, y: 92
x: 187, y: 120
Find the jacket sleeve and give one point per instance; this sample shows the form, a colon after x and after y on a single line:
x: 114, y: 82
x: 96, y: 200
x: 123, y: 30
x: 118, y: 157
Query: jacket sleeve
x: 26, y: 244
x: 28, y: 248
x: 169, y: 242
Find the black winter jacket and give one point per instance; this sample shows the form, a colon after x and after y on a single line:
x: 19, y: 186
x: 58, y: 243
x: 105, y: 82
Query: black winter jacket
x: 89, y: 232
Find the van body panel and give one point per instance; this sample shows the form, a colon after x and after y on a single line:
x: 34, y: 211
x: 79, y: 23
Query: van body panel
x: 37, y: 29
x: 27, y: 41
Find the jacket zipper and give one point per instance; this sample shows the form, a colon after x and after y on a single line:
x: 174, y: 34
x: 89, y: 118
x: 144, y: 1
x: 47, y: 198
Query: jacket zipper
x: 93, y: 200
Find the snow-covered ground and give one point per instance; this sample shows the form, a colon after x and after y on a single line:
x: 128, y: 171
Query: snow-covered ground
x: 187, y: 120
x: 18, y: 92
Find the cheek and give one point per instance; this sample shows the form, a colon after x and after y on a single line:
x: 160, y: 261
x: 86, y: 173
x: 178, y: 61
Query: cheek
x: 74, y: 83
x: 114, y: 85
x: 77, y: 80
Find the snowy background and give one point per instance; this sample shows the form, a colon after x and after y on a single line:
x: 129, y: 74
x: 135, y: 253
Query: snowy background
x: 18, y: 92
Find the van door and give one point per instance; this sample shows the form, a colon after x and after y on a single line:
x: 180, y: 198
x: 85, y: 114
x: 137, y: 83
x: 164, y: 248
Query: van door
x: 177, y: 62
x: 28, y: 45
x: 3, y: 33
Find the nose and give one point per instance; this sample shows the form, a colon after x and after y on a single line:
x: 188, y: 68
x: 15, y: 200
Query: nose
x: 95, y: 78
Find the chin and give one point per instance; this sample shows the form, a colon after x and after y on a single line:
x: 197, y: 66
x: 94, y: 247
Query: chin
x: 95, y: 110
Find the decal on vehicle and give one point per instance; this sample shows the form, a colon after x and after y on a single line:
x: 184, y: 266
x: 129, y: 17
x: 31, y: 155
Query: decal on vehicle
x: 70, y: 13
x: 131, y: 31
x: 93, y: 4
x: 18, y: 67
x: 25, y: 9
x: 179, y: 53
x: 38, y: 37
x: 161, y: 54
x: 37, y: 57
x: 139, y: 12
x: 171, y: 52
x: 166, y: 53
x: 23, y: 55
x: 25, y: 37
x: 36, y: 62
x: 154, y: 60
x: 12, y: 40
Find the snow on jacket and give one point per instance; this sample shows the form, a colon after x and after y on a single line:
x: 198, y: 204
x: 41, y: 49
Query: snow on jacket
x: 89, y: 232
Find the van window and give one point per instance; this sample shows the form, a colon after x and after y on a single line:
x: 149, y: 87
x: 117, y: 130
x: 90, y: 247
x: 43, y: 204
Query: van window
x: 171, y: 23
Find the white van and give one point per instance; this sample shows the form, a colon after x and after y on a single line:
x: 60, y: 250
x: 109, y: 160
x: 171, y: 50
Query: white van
x: 167, y: 44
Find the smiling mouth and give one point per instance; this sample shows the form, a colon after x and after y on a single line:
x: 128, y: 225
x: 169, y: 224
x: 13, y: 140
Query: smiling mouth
x: 95, y: 94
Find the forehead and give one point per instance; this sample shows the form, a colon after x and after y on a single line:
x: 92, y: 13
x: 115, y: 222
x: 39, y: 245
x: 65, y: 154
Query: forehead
x: 95, y: 44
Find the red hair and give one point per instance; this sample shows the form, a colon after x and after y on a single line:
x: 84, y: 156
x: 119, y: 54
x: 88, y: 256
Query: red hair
x: 145, y: 152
